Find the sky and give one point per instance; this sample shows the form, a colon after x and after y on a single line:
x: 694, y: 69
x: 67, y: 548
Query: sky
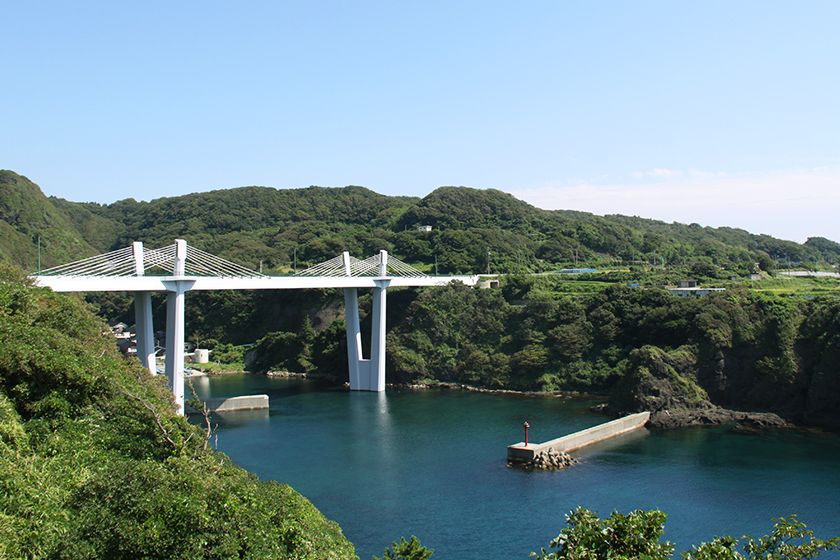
x: 714, y: 112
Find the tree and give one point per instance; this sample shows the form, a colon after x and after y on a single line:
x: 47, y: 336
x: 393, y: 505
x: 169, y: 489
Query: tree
x: 765, y: 262
x: 790, y: 540
x: 406, y: 550
x: 635, y: 535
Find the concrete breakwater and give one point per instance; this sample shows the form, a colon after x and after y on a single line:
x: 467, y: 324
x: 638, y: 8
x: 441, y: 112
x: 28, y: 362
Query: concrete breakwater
x: 521, y: 453
x: 230, y: 404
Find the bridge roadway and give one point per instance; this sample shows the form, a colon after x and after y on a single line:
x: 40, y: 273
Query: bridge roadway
x: 168, y: 283
x: 190, y: 269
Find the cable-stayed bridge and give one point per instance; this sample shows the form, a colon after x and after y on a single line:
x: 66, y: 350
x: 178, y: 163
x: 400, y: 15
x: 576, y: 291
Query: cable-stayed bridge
x: 179, y: 268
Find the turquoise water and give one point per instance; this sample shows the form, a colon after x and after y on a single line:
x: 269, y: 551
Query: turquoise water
x: 433, y: 464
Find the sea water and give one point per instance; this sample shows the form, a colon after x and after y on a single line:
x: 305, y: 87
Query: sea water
x: 432, y: 464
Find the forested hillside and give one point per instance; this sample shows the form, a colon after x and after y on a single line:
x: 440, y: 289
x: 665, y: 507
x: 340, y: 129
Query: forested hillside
x: 25, y: 215
x: 472, y: 230
x: 644, y: 348
x: 746, y: 348
x: 94, y: 462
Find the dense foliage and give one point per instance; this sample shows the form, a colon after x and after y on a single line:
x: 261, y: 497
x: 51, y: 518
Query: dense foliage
x: 25, y: 215
x: 652, y: 350
x: 647, y: 348
x: 638, y: 536
x: 95, y: 464
x: 472, y: 231
x: 410, y: 549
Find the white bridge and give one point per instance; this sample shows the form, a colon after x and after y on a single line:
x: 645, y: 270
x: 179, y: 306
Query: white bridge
x: 179, y: 268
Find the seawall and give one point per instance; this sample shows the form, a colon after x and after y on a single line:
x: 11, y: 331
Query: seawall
x: 245, y: 402
x: 521, y: 453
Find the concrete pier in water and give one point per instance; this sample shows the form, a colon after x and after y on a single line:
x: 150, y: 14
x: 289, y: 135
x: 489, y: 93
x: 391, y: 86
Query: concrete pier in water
x: 521, y: 453
x: 231, y: 404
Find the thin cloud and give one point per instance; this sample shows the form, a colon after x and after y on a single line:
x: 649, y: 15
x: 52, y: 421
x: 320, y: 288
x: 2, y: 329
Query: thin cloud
x: 794, y: 204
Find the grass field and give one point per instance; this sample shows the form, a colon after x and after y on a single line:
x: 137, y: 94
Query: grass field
x: 785, y: 285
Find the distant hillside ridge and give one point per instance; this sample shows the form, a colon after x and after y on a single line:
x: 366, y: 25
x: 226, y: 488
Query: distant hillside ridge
x: 27, y: 214
x: 472, y: 230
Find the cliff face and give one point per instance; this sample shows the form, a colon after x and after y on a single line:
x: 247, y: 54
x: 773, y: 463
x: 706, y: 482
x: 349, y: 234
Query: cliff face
x: 781, y: 357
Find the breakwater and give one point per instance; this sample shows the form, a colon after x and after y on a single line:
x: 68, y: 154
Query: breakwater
x: 521, y: 453
x: 231, y: 404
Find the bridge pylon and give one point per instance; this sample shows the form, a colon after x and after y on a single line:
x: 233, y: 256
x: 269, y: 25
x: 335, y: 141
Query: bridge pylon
x: 145, y: 331
x: 366, y: 374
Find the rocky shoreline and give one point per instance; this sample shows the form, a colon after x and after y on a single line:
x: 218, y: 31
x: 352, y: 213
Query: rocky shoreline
x: 474, y: 389
x: 662, y: 419
x: 286, y: 375
x: 681, y: 418
x: 665, y: 419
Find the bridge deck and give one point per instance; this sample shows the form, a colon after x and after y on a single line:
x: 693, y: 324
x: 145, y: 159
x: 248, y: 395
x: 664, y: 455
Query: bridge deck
x: 166, y: 283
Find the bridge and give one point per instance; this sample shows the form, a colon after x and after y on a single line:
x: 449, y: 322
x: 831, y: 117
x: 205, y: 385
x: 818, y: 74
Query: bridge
x: 179, y: 268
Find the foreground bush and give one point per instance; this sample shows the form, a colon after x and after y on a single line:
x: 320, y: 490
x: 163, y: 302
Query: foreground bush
x: 637, y: 536
x: 94, y: 463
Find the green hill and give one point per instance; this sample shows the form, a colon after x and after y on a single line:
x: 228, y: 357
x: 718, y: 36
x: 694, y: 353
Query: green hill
x: 94, y: 462
x: 471, y: 229
x: 26, y: 214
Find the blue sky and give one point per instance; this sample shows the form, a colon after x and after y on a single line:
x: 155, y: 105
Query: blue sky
x: 722, y: 113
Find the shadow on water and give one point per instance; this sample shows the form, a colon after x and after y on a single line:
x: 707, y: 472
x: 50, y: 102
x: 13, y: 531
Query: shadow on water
x: 240, y: 418
x: 617, y: 446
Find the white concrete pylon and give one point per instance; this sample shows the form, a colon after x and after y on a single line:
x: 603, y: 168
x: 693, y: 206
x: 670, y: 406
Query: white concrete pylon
x: 175, y: 345
x: 139, y: 264
x: 175, y: 327
x: 366, y: 375
x: 355, y: 361
x: 144, y: 327
x: 180, y: 257
x: 377, y: 338
x: 145, y: 331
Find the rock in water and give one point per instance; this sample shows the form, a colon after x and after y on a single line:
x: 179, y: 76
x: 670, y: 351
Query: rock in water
x: 551, y: 460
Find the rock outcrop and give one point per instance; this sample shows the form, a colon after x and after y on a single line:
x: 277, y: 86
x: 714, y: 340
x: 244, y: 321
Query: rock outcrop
x: 712, y: 415
x: 550, y: 460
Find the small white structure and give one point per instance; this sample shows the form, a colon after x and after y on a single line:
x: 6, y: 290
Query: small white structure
x: 424, y: 228
x: 695, y: 291
x: 201, y: 356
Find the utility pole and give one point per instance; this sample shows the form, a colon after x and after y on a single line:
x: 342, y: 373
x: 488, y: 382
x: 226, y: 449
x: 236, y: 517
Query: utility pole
x: 39, y: 254
x: 488, y: 261
x: 260, y: 266
x: 436, y: 272
x: 295, y: 257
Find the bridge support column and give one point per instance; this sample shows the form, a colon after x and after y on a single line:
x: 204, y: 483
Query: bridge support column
x: 354, y: 339
x: 175, y: 327
x: 366, y: 375
x: 376, y: 379
x: 145, y: 330
x: 175, y: 346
